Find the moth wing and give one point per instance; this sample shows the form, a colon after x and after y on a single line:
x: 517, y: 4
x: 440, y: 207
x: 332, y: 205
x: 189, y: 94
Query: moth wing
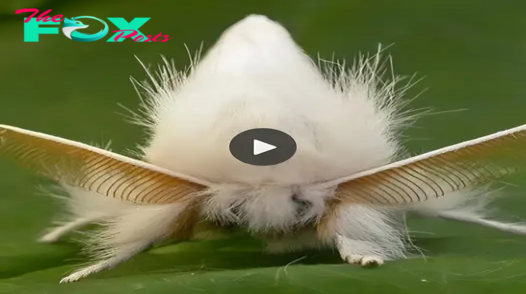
x: 437, y: 173
x: 95, y: 169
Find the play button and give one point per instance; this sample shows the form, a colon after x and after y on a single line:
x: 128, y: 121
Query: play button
x: 262, y: 147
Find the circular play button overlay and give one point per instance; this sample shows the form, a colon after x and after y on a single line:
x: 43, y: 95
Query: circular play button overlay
x: 263, y: 147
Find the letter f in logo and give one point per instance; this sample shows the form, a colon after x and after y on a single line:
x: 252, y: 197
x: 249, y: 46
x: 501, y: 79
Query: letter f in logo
x: 32, y: 29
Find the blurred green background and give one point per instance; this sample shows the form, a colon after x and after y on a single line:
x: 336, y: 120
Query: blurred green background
x: 471, y: 54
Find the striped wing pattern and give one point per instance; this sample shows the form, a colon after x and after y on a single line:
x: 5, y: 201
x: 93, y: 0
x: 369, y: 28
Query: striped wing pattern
x: 95, y: 169
x: 437, y: 173
x: 427, y: 176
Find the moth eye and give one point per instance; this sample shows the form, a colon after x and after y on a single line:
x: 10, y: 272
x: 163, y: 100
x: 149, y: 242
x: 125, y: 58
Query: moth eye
x: 302, y: 205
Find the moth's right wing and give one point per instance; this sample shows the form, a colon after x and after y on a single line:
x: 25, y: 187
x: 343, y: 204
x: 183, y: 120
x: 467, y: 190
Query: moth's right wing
x: 437, y: 173
x: 95, y: 169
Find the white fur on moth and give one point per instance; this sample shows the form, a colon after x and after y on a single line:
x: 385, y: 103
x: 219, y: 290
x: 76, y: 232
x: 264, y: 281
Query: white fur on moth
x: 256, y: 76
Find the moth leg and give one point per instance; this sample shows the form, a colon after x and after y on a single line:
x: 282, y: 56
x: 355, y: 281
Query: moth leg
x: 130, y: 233
x: 365, y: 235
x: 84, y: 207
x: 357, y: 252
x: 120, y: 255
x: 55, y: 233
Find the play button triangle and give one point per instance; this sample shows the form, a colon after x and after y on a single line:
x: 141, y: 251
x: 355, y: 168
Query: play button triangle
x: 261, y: 147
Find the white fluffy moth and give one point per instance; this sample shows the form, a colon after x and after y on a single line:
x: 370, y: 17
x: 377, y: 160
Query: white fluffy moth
x: 345, y: 188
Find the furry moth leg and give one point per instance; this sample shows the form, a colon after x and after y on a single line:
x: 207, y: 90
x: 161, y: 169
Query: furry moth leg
x: 135, y: 230
x: 120, y: 255
x: 368, y: 236
x: 357, y: 252
x: 83, y: 208
x: 54, y: 234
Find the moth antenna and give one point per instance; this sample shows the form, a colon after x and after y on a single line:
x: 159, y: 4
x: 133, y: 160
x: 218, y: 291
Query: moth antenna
x: 437, y: 173
x: 96, y: 170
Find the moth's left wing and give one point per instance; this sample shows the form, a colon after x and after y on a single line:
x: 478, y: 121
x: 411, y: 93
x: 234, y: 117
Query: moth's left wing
x: 96, y: 170
x: 437, y: 173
